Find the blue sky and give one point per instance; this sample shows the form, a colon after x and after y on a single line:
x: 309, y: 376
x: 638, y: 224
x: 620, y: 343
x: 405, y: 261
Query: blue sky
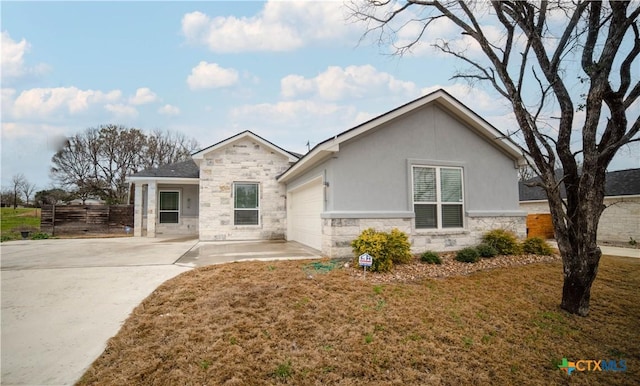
x: 290, y: 72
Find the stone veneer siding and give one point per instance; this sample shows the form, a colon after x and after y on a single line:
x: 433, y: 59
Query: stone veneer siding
x: 337, y: 233
x: 187, y: 226
x: 242, y: 161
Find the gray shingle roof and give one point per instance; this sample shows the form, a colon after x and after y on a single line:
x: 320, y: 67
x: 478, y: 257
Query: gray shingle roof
x: 618, y: 183
x: 184, y: 169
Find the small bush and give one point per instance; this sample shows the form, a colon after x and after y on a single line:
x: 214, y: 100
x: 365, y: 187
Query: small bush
x: 374, y: 243
x: 504, y: 241
x: 398, y: 247
x: 468, y: 255
x: 430, y: 258
x: 486, y: 250
x: 40, y: 236
x: 385, y: 248
x: 537, y: 246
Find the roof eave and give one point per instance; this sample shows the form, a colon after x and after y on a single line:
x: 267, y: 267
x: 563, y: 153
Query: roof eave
x: 441, y: 97
x: 166, y: 180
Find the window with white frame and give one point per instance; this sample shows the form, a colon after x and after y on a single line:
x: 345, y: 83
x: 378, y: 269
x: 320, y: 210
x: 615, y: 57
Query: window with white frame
x: 169, y: 207
x: 438, y: 197
x: 246, y: 207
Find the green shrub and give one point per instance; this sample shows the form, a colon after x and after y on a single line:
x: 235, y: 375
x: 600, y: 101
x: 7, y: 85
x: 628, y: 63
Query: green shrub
x: 430, y: 258
x: 398, y: 247
x: 385, y: 248
x: 504, y: 241
x: 468, y: 255
x: 486, y: 250
x: 40, y: 236
x: 537, y: 246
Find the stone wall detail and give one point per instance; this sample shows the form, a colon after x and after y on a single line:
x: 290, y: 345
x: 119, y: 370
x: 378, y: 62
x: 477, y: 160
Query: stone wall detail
x: 337, y: 233
x: 244, y: 160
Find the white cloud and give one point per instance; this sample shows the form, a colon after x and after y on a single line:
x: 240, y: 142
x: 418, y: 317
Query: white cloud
x: 143, y: 96
x: 337, y: 83
x: 287, y: 111
x: 47, y: 102
x: 477, y: 99
x: 121, y: 110
x: 211, y: 75
x: 169, y: 110
x: 279, y: 26
x: 12, y: 58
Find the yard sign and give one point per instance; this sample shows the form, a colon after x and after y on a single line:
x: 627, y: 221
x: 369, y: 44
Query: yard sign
x: 365, y: 260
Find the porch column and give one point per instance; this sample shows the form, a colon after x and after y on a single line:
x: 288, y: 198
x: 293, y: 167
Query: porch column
x: 138, y: 210
x: 152, y: 209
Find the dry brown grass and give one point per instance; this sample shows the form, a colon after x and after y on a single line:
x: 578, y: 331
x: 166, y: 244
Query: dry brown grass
x: 270, y: 323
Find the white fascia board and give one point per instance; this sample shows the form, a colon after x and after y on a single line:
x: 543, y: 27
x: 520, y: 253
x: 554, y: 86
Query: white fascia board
x: 163, y: 180
x: 316, y: 155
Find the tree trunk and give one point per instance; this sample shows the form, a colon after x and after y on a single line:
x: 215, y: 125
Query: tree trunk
x: 580, y: 271
x: 576, y: 234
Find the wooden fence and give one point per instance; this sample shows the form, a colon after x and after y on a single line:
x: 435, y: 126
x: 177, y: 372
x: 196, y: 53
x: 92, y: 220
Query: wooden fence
x: 540, y: 225
x: 83, y: 219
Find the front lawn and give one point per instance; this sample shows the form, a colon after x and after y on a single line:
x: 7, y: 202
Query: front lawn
x: 13, y: 220
x: 299, y: 323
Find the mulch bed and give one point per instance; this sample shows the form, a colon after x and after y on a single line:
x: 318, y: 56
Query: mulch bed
x: 417, y: 270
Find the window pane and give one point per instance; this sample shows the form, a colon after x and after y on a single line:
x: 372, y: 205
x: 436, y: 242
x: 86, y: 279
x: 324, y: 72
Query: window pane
x: 246, y: 196
x: 451, y: 185
x: 168, y: 217
x: 424, y: 184
x: 245, y: 217
x: 425, y: 215
x: 452, y: 216
x: 169, y: 200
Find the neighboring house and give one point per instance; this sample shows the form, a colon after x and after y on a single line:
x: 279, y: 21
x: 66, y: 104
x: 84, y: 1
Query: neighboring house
x: 86, y: 201
x: 620, y: 221
x: 432, y: 168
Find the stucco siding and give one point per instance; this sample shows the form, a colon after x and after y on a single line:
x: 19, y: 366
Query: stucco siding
x: 368, y: 183
x: 243, y: 160
x: 372, y: 173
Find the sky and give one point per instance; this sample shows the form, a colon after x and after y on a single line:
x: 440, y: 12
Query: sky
x: 291, y: 72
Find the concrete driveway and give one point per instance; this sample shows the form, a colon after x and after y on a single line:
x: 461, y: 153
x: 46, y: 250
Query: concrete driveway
x: 63, y: 299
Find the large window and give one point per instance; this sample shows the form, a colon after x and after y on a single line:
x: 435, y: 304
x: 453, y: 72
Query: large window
x: 438, y: 197
x: 169, y: 207
x: 245, y: 203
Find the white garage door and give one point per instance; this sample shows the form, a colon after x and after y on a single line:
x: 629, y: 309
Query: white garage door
x: 303, y: 217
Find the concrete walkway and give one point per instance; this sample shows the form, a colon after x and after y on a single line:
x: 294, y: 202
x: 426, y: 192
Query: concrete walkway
x: 611, y: 251
x: 617, y: 251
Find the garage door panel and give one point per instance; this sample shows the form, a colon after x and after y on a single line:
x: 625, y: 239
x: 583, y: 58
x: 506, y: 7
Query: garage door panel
x: 306, y: 205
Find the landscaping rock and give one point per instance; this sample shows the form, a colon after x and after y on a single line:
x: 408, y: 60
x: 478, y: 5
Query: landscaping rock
x: 417, y: 270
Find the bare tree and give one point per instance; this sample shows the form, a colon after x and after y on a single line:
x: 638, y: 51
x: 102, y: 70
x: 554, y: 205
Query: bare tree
x: 18, y: 181
x: 165, y: 147
x: 96, y: 162
x: 27, y: 189
x: 529, y: 62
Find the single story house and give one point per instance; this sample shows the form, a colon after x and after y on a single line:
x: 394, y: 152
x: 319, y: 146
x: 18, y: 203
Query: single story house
x: 620, y: 221
x: 432, y: 168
